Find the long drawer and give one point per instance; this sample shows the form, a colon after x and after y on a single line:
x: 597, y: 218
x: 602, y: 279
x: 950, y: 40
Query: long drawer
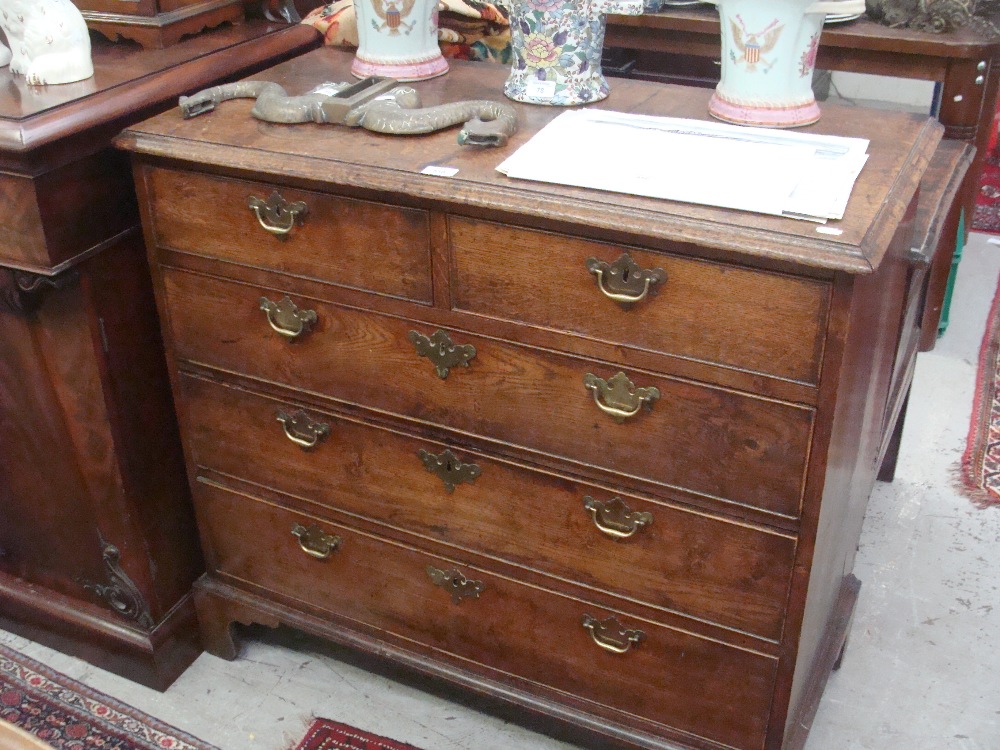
x: 353, y: 243
x: 708, y: 440
x: 492, y: 624
x: 729, y: 573
x: 751, y: 319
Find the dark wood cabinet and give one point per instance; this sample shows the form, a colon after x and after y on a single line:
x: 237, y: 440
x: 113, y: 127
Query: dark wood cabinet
x: 98, y: 547
x: 671, y: 573
x: 158, y: 23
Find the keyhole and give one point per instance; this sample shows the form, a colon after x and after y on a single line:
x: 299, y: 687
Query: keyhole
x: 625, y: 275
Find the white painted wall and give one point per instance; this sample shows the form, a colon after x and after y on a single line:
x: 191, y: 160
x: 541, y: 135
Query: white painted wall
x: 865, y: 89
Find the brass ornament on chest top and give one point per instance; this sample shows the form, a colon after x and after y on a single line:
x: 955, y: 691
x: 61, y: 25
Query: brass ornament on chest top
x: 449, y: 469
x: 624, y: 281
x: 441, y: 351
x: 286, y: 318
x: 302, y: 430
x: 456, y: 584
x: 615, y: 518
x: 276, y: 215
x: 314, y: 541
x: 618, y: 397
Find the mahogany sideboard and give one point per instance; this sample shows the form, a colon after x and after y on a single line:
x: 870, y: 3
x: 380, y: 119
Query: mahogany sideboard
x: 601, y: 456
x: 97, y: 541
x: 963, y: 62
x: 157, y: 23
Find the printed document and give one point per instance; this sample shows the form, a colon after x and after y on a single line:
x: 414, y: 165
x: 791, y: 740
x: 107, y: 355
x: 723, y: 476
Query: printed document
x: 799, y: 175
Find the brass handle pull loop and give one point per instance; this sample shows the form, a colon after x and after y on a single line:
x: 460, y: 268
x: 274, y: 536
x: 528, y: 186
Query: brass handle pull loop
x: 314, y: 542
x: 624, y: 281
x: 286, y: 318
x: 618, y: 397
x: 302, y: 430
x: 615, y: 519
x: 276, y: 215
x: 610, y: 635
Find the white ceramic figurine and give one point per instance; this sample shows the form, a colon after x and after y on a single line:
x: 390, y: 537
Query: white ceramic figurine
x: 48, y: 41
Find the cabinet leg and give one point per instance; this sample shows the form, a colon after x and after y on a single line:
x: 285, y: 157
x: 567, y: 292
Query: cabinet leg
x: 215, y: 625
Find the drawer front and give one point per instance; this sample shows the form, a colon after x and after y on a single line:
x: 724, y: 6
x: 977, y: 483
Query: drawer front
x: 352, y: 243
x: 693, y: 684
x: 708, y: 440
x: 755, y: 320
x: 732, y: 574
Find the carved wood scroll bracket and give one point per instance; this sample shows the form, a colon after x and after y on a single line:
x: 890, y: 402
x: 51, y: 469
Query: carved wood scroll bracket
x: 22, y: 292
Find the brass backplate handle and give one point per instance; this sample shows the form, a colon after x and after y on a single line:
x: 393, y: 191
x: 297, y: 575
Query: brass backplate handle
x: 441, y: 351
x: 610, y: 635
x: 301, y: 430
x: 315, y: 542
x: 624, y: 281
x: 456, y: 584
x: 615, y: 519
x: 449, y: 469
x: 286, y: 318
x: 618, y: 397
x: 276, y: 215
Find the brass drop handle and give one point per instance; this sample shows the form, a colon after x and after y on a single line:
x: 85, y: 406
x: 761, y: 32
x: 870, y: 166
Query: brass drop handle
x: 302, y: 430
x: 276, y: 215
x: 286, y: 318
x: 624, y: 281
x: 615, y: 519
x: 610, y: 635
x: 314, y: 542
x: 618, y: 397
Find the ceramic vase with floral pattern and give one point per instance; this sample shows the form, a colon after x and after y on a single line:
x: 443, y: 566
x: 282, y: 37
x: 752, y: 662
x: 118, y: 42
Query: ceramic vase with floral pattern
x: 557, y: 46
x: 398, y: 39
x: 768, y: 56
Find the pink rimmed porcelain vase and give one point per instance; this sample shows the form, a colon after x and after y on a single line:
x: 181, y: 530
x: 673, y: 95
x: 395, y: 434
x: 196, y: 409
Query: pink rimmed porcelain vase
x: 768, y: 57
x: 398, y: 39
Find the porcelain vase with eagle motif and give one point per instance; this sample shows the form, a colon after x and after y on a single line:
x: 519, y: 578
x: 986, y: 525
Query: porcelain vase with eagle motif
x: 768, y: 56
x: 398, y: 39
x: 556, y: 48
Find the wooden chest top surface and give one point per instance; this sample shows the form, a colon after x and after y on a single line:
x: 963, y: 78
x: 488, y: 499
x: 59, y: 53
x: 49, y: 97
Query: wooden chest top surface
x: 230, y: 139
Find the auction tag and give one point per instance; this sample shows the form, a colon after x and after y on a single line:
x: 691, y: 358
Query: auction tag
x: 435, y: 170
x: 541, y: 89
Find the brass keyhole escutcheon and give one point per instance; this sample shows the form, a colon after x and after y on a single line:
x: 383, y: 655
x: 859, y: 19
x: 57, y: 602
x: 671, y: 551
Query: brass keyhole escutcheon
x: 441, y: 351
x: 624, y: 281
x: 455, y: 583
x: 276, y: 215
x: 449, y: 469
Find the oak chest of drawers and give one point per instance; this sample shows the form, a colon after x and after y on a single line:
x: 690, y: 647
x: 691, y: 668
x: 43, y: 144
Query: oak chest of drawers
x: 601, y: 456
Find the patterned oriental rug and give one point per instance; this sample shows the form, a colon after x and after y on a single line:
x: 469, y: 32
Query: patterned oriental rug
x: 987, y: 214
x: 330, y: 735
x: 68, y: 715
x: 980, y: 473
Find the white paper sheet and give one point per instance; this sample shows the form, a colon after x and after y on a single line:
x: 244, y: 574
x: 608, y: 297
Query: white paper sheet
x: 766, y: 171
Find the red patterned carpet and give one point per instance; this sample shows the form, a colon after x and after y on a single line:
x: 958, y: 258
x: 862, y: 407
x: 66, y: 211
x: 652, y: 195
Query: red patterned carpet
x: 987, y: 214
x: 329, y: 735
x: 981, y: 462
x: 68, y: 715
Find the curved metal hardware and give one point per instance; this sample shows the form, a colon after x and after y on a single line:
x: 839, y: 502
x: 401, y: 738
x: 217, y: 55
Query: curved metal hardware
x: 120, y: 592
x: 276, y: 215
x: 610, y: 635
x: 286, y: 318
x: 449, y: 469
x: 315, y: 542
x: 624, y: 281
x: 615, y: 518
x: 440, y: 350
x: 302, y: 430
x: 618, y: 397
x: 456, y: 584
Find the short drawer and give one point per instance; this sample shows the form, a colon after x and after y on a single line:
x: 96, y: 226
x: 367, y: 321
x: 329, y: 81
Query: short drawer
x: 732, y: 574
x: 755, y: 320
x: 491, y: 624
x: 352, y: 243
x: 712, y: 441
